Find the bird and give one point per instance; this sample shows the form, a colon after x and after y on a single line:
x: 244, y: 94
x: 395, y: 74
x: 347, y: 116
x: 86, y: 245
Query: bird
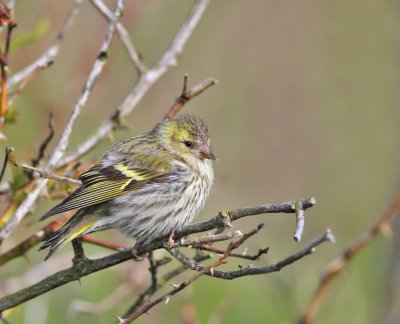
x: 147, y: 186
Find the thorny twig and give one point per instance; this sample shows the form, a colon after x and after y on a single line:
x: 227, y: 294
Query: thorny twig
x: 336, y: 266
x: 62, y: 144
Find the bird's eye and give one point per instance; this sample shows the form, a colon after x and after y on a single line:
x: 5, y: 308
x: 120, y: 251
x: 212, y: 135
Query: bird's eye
x: 188, y: 143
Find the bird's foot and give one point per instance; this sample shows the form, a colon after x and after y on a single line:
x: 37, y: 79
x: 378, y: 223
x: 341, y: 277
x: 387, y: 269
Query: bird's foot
x: 135, y: 252
x: 171, y: 241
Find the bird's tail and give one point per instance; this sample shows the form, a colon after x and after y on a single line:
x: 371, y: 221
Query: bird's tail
x: 75, y: 227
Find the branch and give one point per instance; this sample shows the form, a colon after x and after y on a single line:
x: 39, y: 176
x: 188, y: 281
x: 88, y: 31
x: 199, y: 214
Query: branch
x: 7, y: 152
x: 45, y: 174
x: 46, y: 141
x: 62, y: 144
x: 51, y: 53
x: 6, y: 19
x: 242, y: 255
x: 336, y: 266
x: 188, y: 95
x: 251, y: 271
x: 177, y: 288
x: 143, y: 84
x: 123, y: 36
x: 90, y: 266
x: 209, y: 238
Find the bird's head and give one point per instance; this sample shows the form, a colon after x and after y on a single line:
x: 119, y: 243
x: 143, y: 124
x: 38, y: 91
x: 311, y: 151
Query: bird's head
x: 187, y: 136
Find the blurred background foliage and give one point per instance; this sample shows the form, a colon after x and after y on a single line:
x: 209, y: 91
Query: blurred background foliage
x: 307, y: 104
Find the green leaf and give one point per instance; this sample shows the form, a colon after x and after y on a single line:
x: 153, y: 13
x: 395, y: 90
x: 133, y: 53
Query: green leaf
x: 32, y: 36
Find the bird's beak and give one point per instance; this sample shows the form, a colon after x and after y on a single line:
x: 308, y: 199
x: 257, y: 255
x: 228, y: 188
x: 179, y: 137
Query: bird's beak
x: 206, y: 153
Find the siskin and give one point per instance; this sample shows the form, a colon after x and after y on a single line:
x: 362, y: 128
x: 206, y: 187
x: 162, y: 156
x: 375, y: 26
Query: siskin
x: 147, y: 186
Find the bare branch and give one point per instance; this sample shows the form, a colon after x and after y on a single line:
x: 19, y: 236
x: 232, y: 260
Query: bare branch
x: 336, y: 266
x: 62, y: 144
x: 51, y: 53
x: 123, y: 36
x: 188, y: 95
x: 251, y: 271
x: 243, y: 255
x: 144, y: 83
x: 102, y: 243
x: 208, y: 238
x: 45, y: 174
x: 46, y: 142
x: 90, y: 266
x: 177, y: 288
x: 7, y: 152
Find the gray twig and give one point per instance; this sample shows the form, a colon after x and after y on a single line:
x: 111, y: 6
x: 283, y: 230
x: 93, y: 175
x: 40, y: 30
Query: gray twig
x: 46, y: 174
x: 123, y: 36
x: 90, y: 266
x: 50, y: 54
x: 62, y: 144
x: 143, y: 84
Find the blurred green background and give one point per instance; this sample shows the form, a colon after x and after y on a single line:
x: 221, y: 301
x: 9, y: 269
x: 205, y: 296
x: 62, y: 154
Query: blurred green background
x: 307, y: 105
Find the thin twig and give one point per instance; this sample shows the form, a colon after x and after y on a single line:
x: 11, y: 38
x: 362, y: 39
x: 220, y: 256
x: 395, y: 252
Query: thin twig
x: 7, y: 152
x: 25, y: 82
x: 208, y: 238
x: 22, y: 248
x: 62, y: 144
x: 243, y: 255
x: 123, y: 35
x: 336, y: 266
x: 251, y: 271
x: 161, y: 282
x: 143, y: 84
x: 177, y: 288
x: 51, y: 53
x: 6, y: 19
x: 45, y: 174
x: 43, y: 146
x: 102, y: 243
x: 188, y: 95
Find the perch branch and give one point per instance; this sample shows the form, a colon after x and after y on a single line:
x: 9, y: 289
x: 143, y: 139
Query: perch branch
x: 336, y: 266
x: 90, y: 266
x: 143, y: 84
x: 62, y: 144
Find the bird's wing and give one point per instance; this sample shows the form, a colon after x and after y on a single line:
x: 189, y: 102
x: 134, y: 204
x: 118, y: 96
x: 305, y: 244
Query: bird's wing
x: 100, y: 184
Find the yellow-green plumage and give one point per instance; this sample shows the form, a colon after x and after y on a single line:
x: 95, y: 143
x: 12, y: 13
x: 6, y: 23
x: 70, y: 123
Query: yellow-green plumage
x: 146, y: 186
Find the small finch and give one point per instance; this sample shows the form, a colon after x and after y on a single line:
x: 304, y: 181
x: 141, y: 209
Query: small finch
x: 146, y: 186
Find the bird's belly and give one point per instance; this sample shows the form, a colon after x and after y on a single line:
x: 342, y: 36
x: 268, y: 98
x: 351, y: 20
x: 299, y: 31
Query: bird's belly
x: 155, y: 211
